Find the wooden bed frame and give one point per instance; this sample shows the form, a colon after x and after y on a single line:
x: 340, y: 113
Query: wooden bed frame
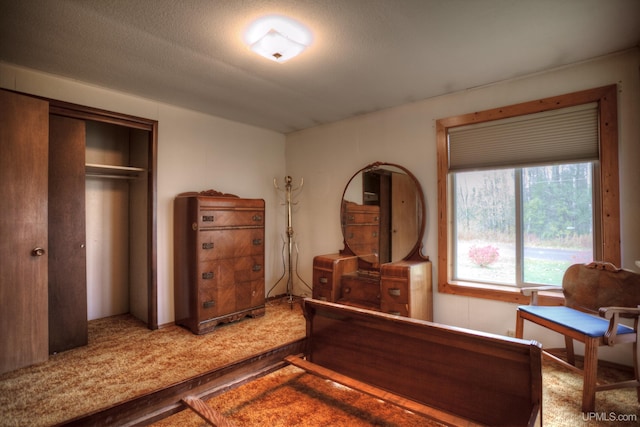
x: 455, y: 376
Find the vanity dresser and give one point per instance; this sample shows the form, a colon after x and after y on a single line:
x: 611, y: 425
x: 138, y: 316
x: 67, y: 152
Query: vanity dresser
x: 218, y: 259
x: 381, y: 266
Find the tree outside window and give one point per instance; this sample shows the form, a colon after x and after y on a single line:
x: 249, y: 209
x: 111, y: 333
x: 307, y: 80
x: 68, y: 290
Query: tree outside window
x: 554, y: 226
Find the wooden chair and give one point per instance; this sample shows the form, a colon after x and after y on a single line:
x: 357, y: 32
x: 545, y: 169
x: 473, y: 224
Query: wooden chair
x: 590, y: 290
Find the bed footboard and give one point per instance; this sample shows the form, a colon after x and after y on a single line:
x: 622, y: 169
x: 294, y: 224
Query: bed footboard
x: 483, y: 378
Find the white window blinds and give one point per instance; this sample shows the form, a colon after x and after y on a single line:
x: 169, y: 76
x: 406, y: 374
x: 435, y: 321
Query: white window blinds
x: 563, y: 135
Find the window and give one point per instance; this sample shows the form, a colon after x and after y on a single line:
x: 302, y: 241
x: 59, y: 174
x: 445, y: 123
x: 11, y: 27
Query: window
x: 494, y: 241
x: 525, y: 191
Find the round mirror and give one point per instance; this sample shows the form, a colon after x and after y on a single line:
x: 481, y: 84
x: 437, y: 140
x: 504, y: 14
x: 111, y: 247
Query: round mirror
x: 382, y: 214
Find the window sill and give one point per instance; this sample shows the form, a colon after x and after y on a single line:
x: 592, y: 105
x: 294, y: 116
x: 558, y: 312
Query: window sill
x: 498, y: 293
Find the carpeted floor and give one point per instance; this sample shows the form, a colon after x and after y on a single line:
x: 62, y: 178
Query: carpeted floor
x: 124, y: 359
x: 291, y: 397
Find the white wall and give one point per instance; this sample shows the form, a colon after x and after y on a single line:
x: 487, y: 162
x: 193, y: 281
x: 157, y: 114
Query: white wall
x: 326, y: 156
x: 195, y: 152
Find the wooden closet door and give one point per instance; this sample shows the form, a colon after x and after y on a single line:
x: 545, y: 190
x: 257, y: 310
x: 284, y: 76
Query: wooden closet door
x: 67, y: 255
x: 24, y: 132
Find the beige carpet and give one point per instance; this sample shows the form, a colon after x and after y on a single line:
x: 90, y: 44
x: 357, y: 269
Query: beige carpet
x: 291, y: 397
x: 124, y: 359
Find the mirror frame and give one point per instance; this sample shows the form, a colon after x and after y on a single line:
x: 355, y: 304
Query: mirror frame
x: 415, y: 254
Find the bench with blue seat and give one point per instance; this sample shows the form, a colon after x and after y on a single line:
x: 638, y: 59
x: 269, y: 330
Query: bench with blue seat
x: 596, y: 295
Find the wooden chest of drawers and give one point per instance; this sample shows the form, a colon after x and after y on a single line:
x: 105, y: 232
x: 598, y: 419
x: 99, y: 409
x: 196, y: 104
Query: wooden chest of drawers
x: 361, y: 227
x: 219, y: 259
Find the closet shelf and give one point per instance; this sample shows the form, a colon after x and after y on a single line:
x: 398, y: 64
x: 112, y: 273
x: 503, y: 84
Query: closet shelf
x: 113, y: 172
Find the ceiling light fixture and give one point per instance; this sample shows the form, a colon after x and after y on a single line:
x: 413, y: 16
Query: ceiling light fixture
x: 277, y: 38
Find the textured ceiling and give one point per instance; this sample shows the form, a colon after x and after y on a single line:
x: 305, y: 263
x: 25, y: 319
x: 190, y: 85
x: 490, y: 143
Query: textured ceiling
x: 366, y: 55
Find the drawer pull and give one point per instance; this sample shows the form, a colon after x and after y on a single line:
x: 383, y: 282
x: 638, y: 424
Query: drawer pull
x: 194, y: 226
x: 395, y: 313
x: 323, y: 280
x: 207, y: 245
x: 208, y: 218
x: 351, y: 218
x: 257, y: 218
x: 374, y: 234
x: 257, y: 267
x: 346, y: 290
x: 208, y: 304
x: 257, y: 242
x: 394, y: 292
x: 208, y: 275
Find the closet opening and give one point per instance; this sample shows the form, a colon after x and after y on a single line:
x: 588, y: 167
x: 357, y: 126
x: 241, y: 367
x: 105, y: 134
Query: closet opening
x: 116, y: 217
x: 120, y: 206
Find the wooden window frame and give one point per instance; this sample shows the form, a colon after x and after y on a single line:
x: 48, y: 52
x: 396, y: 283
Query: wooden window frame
x: 608, y: 177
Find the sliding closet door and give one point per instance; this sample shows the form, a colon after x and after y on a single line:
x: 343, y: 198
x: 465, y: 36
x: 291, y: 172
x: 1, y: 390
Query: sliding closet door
x: 67, y: 256
x: 24, y: 132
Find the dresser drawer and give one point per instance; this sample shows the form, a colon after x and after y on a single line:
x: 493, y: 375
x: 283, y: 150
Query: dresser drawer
x: 228, y: 272
x: 353, y: 213
x: 249, y: 294
x: 397, y: 309
x: 322, y: 279
x: 229, y: 297
x: 214, y: 301
x: 248, y: 268
x: 219, y: 244
x: 323, y: 285
x: 395, y: 291
x: 363, y: 239
x: 368, y: 233
x: 361, y: 218
x: 364, y: 290
x: 210, y: 218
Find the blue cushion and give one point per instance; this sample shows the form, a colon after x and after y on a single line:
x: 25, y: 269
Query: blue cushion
x: 573, y: 319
